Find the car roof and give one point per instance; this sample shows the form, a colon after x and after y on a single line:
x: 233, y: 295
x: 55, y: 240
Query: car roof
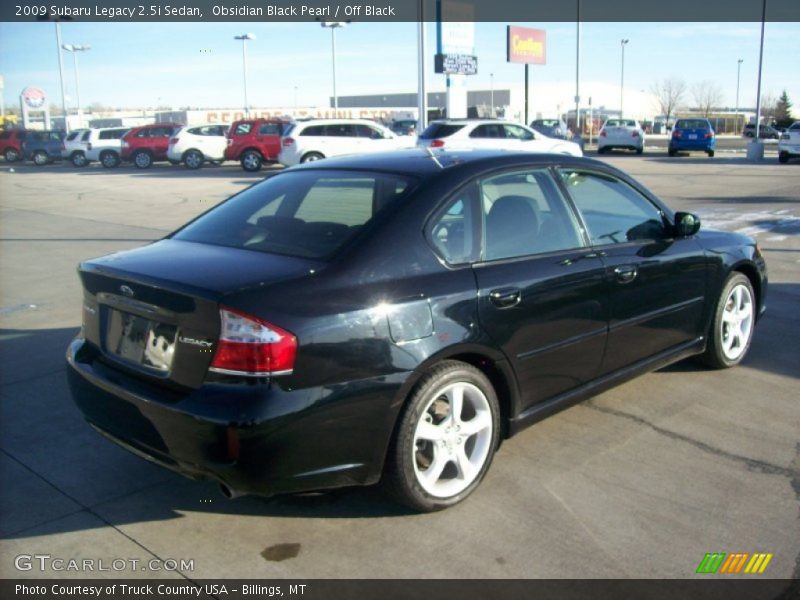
x: 336, y: 122
x: 424, y: 162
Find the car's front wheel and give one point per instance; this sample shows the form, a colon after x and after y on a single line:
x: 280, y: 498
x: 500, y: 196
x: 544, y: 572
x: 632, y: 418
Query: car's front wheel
x: 711, y: 154
x: 40, y: 158
x: 193, y: 159
x: 142, y: 159
x: 732, y: 328
x: 446, y: 438
x: 311, y: 156
x: 78, y: 159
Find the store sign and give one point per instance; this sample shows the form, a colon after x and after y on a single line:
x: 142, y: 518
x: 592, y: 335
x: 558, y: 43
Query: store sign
x: 526, y: 45
x: 33, y: 97
x: 456, y: 64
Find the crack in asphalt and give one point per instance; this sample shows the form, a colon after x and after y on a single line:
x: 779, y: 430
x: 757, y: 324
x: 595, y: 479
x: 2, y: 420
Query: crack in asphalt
x: 751, y: 463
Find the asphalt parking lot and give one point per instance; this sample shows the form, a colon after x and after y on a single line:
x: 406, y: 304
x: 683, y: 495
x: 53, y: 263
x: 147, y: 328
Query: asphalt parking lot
x: 641, y: 481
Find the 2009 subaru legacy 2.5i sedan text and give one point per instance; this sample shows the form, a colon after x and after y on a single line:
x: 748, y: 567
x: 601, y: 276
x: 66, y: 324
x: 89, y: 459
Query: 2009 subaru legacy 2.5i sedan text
x: 394, y: 316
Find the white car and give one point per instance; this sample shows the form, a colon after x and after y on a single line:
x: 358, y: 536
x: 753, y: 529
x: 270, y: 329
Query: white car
x: 789, y: 144
x: 104, y: 145
x: 472, y: 134
x: 75, y: 145
x: 194, y: 145
x: 621, y: 133
x: 314, y: 139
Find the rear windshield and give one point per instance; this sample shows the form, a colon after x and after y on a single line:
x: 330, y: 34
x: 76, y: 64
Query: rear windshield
x: 439, y: 130
x: 546, y: 122
x: 620, y: 123
x: 309, y: 214
x: 692, y: 124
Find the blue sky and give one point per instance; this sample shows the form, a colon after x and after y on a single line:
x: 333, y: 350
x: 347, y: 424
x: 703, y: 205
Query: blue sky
x: 199, y: 64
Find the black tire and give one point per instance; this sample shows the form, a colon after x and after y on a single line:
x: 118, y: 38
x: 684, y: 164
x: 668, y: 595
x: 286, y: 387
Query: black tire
x: 193, y: 159
x: 109, y: 159
x: 251, y: 160
x: 639, y: 150
x: 174, y: 163
x: 40, y: 158
x: 78, y: 159
x: 672, y: 152
x: 311, y: 156
x: 12, y: 155
x: 715, y: 355
x: 783, y: 157
x: 142, y: 159
x: 404, y: 479
x: 711, y: 154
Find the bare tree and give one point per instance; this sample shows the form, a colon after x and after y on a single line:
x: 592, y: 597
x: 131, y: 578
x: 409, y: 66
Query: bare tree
x: 707, y: 95
x: 769, y: 106
x: 668, y: 93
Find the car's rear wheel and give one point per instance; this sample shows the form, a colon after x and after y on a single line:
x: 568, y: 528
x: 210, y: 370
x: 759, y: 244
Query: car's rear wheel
x: 446, y: 438
x: 711, y: 154
x: 193, y: 159
x: 601, y: 150
x: 142, y: 159
x: 40, y: 158
x: 732, y: 328
x: 783, y: 157
x: 109, y: 159
x: 639, y: 150
x: 672, y: 152
x: 311, y: 156
x: 251, y: 160
x: 78, y: 159
x: 11, y: 154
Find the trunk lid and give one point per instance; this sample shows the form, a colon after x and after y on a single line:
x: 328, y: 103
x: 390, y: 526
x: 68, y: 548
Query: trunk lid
x: 155, y: 310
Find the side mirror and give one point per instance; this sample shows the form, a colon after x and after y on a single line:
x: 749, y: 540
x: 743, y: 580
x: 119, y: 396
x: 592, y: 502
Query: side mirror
x: 686, y: 224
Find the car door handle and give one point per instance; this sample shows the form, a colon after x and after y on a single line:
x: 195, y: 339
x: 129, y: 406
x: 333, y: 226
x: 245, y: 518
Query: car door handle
x: 505, y: 297
x: 626, y: 273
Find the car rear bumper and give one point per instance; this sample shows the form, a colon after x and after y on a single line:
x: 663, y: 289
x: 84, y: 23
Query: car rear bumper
x: 704, y: 145
x: 258, y: 439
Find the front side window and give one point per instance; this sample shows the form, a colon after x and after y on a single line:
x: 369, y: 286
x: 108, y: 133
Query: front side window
x: 524, y: 214
x: 494, y: 130
x: 613, y: 211
x: 308, y: 214
x: 515, y: 132
x: 242, y: 129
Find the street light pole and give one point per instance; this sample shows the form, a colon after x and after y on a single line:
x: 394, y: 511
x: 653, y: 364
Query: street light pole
x: 333, y: 26
x: 244, y: 37
x: 74, y: 49
x: 491, y: 91
x: 738, y: 75
x: 61, y: 77
x: 622, y: 43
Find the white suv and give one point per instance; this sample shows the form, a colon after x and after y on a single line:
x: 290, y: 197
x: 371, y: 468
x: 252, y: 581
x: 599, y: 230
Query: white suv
x: 314, y: 139
x: 789, y: 144
x: 474, y: 134
x: 75, y: 147
x: 104, y: 145
x: 194, y: 145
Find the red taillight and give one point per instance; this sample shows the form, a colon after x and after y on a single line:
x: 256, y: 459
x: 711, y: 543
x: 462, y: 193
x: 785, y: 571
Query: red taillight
x: 635, y: 134
x: 287, y: 141
x: 603, y: 133
x: 709, y: 134
x: 173, y: 141
x: 676, y: 134
x: 437, y: 144
x: 251, y: 346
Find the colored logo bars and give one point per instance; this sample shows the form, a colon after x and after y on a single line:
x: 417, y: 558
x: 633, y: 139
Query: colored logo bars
x: 733, y: 564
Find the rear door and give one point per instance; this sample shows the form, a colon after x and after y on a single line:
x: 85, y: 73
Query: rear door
x: 268, y: 138
x: 159, y: 140
x: 656, y: 283
x: 540, y: 288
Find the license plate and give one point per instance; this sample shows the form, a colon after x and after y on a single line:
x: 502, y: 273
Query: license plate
x: 141, y: 341
x: 692, y: 136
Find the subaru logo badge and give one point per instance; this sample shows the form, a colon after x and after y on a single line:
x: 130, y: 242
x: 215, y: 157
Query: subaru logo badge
x: 126, y: 291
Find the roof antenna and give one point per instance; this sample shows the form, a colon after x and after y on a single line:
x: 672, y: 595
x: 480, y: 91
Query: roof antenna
x: 433, y: 156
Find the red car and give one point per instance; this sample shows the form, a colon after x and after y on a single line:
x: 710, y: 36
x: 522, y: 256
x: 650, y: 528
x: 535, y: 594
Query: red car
x: 255, y: 141
x: 144, y: 145
x: 11, y: 144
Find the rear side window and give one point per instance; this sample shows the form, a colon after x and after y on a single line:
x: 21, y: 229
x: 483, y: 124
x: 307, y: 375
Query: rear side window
x: 269, y: 129
x: 73, y: 135
x: 493, y: 130
x: 54, y: 136
x: 308, y: 214
x: 440, y: 130
x: 313, y: 130
x: 242, y: 129
x: 85, y: 136
x: 112, y: 134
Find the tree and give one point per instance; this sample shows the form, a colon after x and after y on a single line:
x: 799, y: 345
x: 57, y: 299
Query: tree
x: 707, y: 95
x: 783, y: 111
x: 768, y: 107
x: 669, y: 93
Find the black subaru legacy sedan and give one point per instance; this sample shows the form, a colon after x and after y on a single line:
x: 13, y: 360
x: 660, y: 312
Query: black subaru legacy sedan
x: 392, y: 317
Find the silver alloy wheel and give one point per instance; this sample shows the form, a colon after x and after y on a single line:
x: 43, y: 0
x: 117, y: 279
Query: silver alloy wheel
x: 79, y: 159
x: 109, y: 160
x: 12, y: 155
x: 311, y: 157
x: 193, y: 160
x: 736, y: 325
x: 142, y: 160
x: 449, y: 449
x: 251, y: 162
x: 40, y: 158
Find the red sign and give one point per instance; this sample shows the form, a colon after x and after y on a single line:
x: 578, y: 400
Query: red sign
x: 527, y: 45
x: 33, y: 97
